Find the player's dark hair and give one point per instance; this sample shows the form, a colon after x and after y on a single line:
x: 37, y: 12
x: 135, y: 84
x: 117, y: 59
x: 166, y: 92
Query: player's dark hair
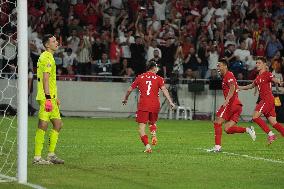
x: 262, y: 58
x: 151, y: 64
x: 46, y: 38
x: 223, y: 61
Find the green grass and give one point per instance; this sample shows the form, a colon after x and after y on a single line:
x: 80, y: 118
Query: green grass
x: 107, y: 153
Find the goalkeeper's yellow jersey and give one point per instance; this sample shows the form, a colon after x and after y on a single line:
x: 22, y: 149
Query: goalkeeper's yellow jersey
x: 46, y: 63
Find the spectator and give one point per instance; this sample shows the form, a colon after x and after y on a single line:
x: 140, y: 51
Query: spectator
x: 79, y: 8
x: 127, y: 69
x: 260, y: 51
x: 36, y: 46
x: 157, y: 59
x: 273, y: 46
x: 151, y: 48
x: 213, y: 57
x: 208, y: 13
x: 73, y: 41
x: 74, y: 25
x: 84, y: 56
x: 276, y: 63
x: 69, y: 61
x: 203, y: 55
x: 103, y: 66
x: 243, y: 58
x: 264, y: 21
x: 160, y: 10
x: 179, y: 62
x: 230, y: 40
x: 154, y: 24
x: 50, y: 4
x: 91, y: 15
x: 98, y: 48
x: 168, y: 51
x: 191, y: 65
x: 221, y: 14
x: 244, y: 5
x: 115, y: 54
x: 139, y: 28
x: 125, y: 41
x: 138, y: 56
x: 229, y: 55
x: 248, y: 40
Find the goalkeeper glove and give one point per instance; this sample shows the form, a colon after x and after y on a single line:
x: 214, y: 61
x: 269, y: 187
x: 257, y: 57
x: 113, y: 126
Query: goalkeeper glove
x: 48, y: 104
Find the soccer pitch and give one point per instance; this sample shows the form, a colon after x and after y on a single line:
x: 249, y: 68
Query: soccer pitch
x: 107, y: 153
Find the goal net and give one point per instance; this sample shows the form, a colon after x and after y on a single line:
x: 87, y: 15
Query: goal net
x: 8, y: 89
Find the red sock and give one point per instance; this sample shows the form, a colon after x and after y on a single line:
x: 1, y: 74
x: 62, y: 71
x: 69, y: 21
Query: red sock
x: 153, y: 128
x: 279, y: 128
x: 262, y: 124
x: 218, y: 133
x: 235, y: 129
x: 145, y: 139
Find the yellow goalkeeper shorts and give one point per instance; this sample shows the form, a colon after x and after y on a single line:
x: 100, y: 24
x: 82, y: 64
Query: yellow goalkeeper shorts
x: 47, y: 116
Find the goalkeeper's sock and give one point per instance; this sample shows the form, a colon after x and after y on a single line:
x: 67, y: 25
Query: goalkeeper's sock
x: 53, y: 137
x: 279, y: 128
x: 153, y: 129
x: 39, y: 140
x: 218, y: 133
x: 235, y: 129
x: 262, y: 124
x: 144, y: 139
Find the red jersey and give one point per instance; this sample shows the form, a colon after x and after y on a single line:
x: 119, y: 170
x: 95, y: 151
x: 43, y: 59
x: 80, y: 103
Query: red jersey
x: 148, y: 84
x: 263, y: 83
x: 227, y: 80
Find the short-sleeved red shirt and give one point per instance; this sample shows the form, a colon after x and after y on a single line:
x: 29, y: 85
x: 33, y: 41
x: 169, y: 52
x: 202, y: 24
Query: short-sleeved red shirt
x: 263, y: 83
x: 227, y: 80
x: 148, y: 85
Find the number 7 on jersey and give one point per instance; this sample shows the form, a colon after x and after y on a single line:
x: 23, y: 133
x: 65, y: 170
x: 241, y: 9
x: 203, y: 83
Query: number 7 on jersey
x: 149, y: 84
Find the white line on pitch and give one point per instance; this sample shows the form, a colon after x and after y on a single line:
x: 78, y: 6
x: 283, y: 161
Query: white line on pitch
x: 5, y: 178
x: 247, y: 156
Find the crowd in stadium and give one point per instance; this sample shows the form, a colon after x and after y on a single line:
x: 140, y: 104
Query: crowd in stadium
x: 184, y: 37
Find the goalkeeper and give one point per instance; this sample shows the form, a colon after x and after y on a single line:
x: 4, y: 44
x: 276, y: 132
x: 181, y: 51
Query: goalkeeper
x: 48, y: 103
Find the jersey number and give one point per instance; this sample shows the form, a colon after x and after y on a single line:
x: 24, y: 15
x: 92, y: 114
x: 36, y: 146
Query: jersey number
x: 149, y: 84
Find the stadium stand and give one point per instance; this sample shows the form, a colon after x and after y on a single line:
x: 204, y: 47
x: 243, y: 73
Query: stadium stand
x: 190, y: 35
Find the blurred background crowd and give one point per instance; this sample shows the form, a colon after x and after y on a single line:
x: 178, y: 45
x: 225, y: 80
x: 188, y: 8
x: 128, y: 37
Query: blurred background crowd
x: 186, y: 38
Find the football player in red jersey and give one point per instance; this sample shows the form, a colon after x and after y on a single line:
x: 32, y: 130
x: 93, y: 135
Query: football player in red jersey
x: 148, y: 85
x: 230, y: 110
x: 266, y: 104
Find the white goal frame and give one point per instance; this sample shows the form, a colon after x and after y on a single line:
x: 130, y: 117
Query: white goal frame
x: 22, y: 100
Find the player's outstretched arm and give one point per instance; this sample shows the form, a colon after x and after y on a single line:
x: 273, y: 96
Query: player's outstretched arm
x: 277, y: 81
x: 246, y: 87
x: 128, y: 92
x: 167, y: 95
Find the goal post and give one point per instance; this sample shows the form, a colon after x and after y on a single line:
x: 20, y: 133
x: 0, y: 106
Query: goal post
x: 22, y: 37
